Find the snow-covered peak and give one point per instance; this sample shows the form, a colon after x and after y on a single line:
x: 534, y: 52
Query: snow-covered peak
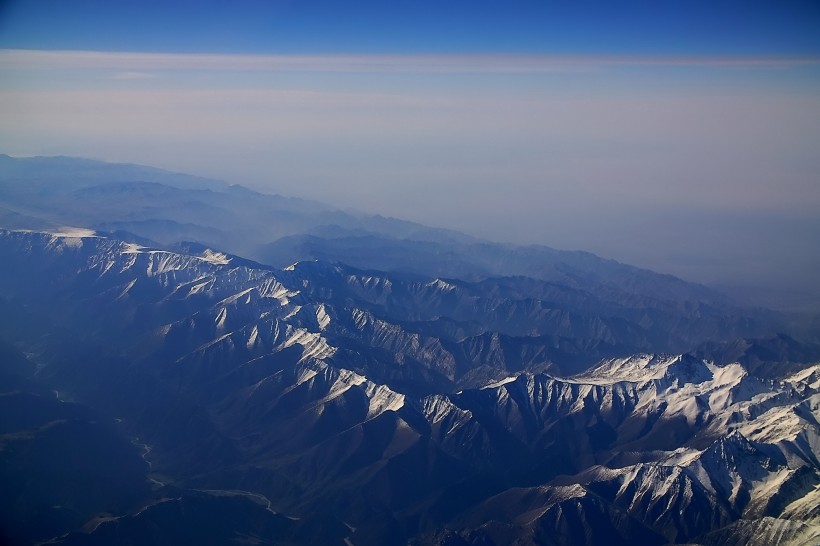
x: 74, y: 233
x: 442, y: 285
x: 635, y: 369
x: 647, y: 367
x: 732, y: 449
x: 807, y: 377
x: 211, y: 256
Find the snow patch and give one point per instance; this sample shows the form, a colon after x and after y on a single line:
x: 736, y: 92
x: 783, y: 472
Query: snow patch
x: 132, y: 248
x: 313, y: 345
x: 252, y: 338
x: 442, y: 285
x: 221, y: 318
x: 382, y: 399
x: 75, y: 233
x: 322, y: 317
x: 213, y: 257
x: 500, y: 382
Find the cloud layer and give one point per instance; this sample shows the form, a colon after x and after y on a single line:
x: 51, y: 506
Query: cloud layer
x: 469, y: 63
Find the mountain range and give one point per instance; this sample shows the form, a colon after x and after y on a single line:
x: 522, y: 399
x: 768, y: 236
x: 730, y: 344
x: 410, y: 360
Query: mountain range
x: 192, y: 361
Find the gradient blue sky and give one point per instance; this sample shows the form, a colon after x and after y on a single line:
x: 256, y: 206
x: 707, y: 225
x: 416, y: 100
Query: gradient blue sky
x: 253, y: 26
x: 680, y: 136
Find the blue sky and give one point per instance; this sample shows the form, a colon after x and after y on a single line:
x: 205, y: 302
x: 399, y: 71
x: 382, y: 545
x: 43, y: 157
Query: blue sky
x: 252, y: 26
x: 678, y: 136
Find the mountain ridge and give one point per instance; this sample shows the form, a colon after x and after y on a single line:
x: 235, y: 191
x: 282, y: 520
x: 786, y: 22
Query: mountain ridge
x: 360, y: 379
x: 259, y: 226
x: 331, y: 390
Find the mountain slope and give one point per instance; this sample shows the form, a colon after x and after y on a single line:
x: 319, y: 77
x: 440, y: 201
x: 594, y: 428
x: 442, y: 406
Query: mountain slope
x: 405, y: 406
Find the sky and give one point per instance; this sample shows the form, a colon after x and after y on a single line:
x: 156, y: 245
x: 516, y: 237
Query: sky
x: 679, y: 136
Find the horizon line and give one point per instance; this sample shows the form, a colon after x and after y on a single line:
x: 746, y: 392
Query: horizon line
x: 33, y: 59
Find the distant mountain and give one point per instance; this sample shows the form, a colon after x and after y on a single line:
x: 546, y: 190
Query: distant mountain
x: 773, y: 356
x: 42, y: 174
x: 325, y: 404
x: 166, y: 207
x: 169, y: 208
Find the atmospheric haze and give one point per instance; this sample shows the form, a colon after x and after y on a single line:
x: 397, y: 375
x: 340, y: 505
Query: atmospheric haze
x: 703, y: 165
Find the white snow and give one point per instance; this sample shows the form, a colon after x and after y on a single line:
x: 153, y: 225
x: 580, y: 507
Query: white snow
x: 221, y: 318
x: 442, y: 285
x: 500, y: 382
x: 322, y: 317
x: 634, y: 369
x: 382, y: 399
x: 314, y: 345
x: 132, y: 248
x: 252, y: 337
x: 217, y: 258
x: 809, y: 376
x: 74, y: 232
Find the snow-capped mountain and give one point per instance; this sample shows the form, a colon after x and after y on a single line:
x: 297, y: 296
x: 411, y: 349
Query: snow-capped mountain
x: 388, y: 408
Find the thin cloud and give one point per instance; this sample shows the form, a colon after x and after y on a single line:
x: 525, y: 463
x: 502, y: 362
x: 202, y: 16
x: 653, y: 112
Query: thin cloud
x: 139, y: 63
x: 132, y: 76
